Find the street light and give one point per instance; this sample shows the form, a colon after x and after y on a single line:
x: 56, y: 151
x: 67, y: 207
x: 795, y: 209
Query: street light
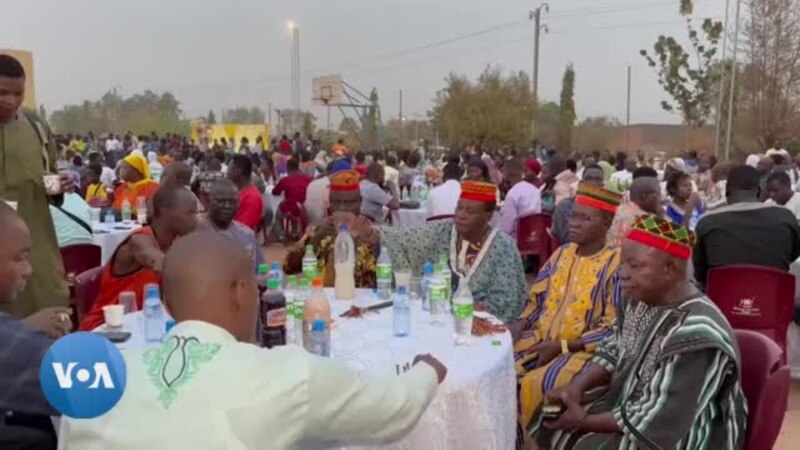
x: 294, y: 28
x: 291, y: 25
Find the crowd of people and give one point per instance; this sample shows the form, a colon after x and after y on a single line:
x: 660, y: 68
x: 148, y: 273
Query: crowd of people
x: 620, y: 303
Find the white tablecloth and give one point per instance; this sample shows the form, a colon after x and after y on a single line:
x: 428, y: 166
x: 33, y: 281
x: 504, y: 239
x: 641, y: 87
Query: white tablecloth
x: 110, y: 237
x: 475, y: 408
x: 410, y: 217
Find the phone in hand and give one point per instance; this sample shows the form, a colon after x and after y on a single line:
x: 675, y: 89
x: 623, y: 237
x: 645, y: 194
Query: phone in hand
x: 117, y: 337
x: 552, y: 411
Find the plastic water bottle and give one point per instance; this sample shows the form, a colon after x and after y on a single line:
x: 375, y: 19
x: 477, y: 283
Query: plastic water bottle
x: 126, y: 211
x: 110, y: 219
x: 291, y: 298
x: 401, y: 313
x: 275, y: 273
x: 301, y: 296
x: 344, y: 264
x: 316, y: 308
x: 310, y: 263
x: 384, y: 275
x: 320, y: 344
x: 447, y: 276
x: 427, y: 275
x: 437, y: 299
x: 141, y: 210
x: 463, y: 311
x: 154, y: 314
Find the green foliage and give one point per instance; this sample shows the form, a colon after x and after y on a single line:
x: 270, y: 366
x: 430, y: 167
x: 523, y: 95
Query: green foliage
x: 373, y: 120
x: 567, y: 110
x: 140, y: 114
x: 495, y: 110
x: 42, y: 112
x: 244, y: 116
x: 211, y: 119
x: 309, y: 124
x: 687, y: 79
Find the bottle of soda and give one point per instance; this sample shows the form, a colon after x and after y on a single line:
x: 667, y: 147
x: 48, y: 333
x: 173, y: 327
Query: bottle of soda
x: 401, y: 313
x: 141, y: 210
x: 463, y: 311
x: 427, y: 275
x: 273, y: 315
x: 261, y: 279
x: 310, y: 263
x: 384, y: 275
x: 126, y: 211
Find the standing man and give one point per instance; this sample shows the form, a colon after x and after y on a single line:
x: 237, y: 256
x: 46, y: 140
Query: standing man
x: 223, y: 204
x: 374, y: 197
x: 522, y: 199
x: 251, y: 205
x: 779, y: 187
x: 27, y: 153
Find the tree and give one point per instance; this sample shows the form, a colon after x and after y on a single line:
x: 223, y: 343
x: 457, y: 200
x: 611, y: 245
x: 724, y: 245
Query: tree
x: 309, y: 123
x: 244, y: 115
x: 567, y: 110
x: 348, y: 125
x: 594, y: 133
x: 211, y: 119
x: 494, y: 111
x: 769, y: 101
x: 373, y: 123
x: 42, y: 112
x: 688, y: 82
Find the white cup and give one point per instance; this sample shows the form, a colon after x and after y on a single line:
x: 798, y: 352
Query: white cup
x: 95, y: 213
x: 113, y: 315
x: 52, y: 184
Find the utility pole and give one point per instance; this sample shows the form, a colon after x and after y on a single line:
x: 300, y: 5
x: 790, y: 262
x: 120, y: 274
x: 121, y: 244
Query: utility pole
x: 536, y: 17
x: 628, y: 114
x: 718, y: 125
x: 733, y: 83
x: 400, y: 117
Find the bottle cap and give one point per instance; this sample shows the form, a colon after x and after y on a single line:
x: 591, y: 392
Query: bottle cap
x: 401, y: 290
x: 276, y: 265
x: 317, y: 283
x: 168, y: 325
x: 309, y: 248
x: 344, y: 229
x: 427, y: 268
x: 318, y: 325
x: 291, y: 280
x: 151, y: 291
x: 273, y: 284
x: 262, y: 269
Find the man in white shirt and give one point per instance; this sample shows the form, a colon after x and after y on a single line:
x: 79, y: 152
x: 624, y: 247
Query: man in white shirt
x: 522, y: 199
x: 621, y: 180
x: 316, y: 204
x: 443, y: 199
x: 391, y: 173
x: 779, y: 187
x: 108, y: 176
x: 208, y: 387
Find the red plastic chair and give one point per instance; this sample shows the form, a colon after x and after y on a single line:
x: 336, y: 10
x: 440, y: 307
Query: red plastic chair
x: 87, y: 287
x: 79, y: 258
x: 765, y: 382
x: 755, y: 298
x: 532, y: 237
x: 439, y: 217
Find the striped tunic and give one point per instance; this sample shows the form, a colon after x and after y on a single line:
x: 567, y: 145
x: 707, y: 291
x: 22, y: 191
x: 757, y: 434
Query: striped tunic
x: 675, y: 382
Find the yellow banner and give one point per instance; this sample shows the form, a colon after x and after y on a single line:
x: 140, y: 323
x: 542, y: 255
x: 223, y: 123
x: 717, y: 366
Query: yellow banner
x: 230, y: 132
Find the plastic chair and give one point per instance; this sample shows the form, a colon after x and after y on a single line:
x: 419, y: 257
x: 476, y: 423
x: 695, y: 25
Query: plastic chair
x: 439, y: 217
x: 532, y: 237
x: 755, y: 298
x: 87, y: 287
x: 79, y: 258
x: 765, y: 382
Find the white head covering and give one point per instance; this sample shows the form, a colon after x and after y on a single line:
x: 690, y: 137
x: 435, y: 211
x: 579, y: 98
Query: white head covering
x: 152, y: 157
x: 752, y: 160
x: 677, y: 164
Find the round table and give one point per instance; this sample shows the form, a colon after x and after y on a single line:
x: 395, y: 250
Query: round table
x: 109, y: 236
x: 475, y: 407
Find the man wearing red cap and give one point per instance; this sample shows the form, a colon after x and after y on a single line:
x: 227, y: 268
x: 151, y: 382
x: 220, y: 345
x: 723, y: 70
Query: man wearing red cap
x: 484, y: 258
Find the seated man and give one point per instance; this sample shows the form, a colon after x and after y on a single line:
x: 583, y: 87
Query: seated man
x: 442, y: 199
x: 138, y: 260
x: 345, y: 200
x: 223, y: 203
x: 226, y: 397
x: 572, y: 304
x: 591, y: 175
x: 485, y: 258
x: 24, y: 411
x: 522, y: 199
x: 293, y: 187
x: 780, y: 190
x: 673, y: 363
x: 645, y: 198
x: 72, y: 221
x: 745, y: 231
x: 374, y: 197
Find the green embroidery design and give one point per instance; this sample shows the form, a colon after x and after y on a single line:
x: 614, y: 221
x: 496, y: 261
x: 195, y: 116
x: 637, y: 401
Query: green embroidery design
x: 175, y: 363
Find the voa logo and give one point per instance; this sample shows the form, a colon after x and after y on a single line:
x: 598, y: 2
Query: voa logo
x: 83, y: 375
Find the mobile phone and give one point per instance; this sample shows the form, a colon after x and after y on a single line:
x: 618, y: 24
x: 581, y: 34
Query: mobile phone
x: 552, y: 412
x: 116, y: 337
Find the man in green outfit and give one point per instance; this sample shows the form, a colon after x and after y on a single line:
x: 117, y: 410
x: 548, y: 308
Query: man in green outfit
x: 27, y: 154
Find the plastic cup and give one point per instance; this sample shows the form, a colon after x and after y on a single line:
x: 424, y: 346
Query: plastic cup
x: 113, y: 315
x: 128, y: 301
x: 52, y: 184
x: 95, y: 213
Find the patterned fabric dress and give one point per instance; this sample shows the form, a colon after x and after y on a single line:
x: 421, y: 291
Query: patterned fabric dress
x: 573, y: 297
x: 499, y: 280
x: 675, y: 382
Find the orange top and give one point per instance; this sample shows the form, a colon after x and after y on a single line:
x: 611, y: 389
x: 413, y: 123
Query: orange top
x: 111, y: 285
x: 339, y: 149
x: 124, y: 191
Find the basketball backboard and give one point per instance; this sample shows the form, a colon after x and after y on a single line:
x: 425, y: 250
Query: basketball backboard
x: 327, y: 91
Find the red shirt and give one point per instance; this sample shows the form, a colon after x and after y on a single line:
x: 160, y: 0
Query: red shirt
x: 251, y: 207
x: 286, y: 147
x: 294, y: 186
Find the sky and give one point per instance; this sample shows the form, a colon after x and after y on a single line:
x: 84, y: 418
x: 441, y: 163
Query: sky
x: 215, y: 54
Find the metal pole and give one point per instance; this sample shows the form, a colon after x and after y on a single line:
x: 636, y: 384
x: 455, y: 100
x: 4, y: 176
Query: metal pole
x: 733, y: 82
x: 718, y: 125
x: 628, y: 114
x: 400, y: 118
x: 329, y: 116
